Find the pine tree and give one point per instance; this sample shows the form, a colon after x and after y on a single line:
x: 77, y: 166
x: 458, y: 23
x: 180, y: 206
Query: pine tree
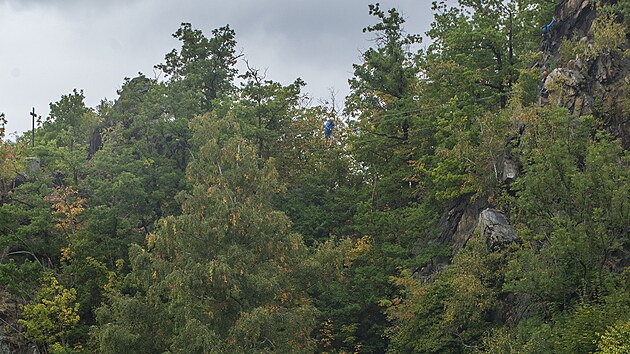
x: 220, y: 277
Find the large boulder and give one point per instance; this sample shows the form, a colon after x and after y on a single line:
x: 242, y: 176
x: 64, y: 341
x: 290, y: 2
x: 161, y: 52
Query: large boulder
x: 564, y: 87
x: 495, y: 228
x: 457, y: 225
x: 459, y: 221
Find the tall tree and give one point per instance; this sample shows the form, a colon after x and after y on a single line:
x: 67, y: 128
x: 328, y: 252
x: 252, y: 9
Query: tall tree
x: 66, y: 135
x: 268, y: 110
x: 479, y: 46
x: 201, y: 70
x: 384, y: 82
x: 218, y: 278
x: 387, y: 126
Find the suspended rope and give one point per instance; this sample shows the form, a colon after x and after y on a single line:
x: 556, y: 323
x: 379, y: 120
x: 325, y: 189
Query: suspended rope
x: 378, y: 136
x: 428, y: 109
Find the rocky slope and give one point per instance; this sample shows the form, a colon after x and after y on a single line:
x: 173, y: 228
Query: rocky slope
x: 588, y: 66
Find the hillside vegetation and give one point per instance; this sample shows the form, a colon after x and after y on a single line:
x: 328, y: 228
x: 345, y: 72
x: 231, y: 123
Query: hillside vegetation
x: 475, y: 198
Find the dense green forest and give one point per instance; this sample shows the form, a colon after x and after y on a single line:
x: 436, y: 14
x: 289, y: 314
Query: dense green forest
x: 475, y: 198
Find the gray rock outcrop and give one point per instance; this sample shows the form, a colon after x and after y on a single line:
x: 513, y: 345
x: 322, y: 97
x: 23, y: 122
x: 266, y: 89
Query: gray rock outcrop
x: 594, y: 82
x: 495, y: 228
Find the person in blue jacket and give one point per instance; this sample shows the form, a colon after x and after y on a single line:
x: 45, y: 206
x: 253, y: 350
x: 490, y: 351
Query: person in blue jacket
x: 547, y: 28
x: 328, y: 129
x: 546, y: 35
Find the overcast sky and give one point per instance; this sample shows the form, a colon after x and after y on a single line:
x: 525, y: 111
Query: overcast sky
x: 50, y: 47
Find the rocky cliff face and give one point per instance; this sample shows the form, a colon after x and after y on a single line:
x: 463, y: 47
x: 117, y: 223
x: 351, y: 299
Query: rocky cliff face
x: 587, y: 56
x: 588, y: 62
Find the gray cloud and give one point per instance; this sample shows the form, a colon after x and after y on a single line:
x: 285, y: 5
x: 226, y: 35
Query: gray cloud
x: 52, y: 47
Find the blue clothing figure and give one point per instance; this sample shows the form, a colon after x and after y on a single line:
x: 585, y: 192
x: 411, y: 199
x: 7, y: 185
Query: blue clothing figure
x: 328, y: 128
x: 546, y: 35
x: 547, y: 28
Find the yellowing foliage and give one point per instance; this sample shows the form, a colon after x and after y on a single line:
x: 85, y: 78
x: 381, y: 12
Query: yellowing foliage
x: 48, y: 320
x: 67, y: 206
x: 616, y: 339
x: 361, y: 246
